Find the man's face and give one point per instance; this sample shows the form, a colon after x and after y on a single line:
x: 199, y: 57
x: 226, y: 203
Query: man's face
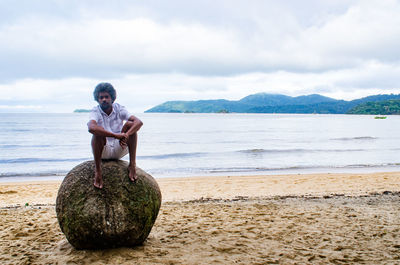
x: 105, y: 101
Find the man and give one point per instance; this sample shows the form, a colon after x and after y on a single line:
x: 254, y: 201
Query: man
x: 112, y: 139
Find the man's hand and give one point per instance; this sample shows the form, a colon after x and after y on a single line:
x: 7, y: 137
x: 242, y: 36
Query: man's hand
x: 123, y: 139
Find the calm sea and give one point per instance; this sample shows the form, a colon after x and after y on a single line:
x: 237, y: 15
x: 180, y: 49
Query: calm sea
x: 47, y: 146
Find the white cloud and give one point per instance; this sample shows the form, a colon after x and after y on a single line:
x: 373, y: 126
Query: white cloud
x: 153, y: 52
x: 369, y: 30
x: 21, y: 107
x: 117, y: 46
x: 109, y: 46
x: 142, y: 91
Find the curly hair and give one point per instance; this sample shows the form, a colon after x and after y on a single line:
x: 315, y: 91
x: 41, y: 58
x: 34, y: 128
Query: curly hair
x: 104, y: 87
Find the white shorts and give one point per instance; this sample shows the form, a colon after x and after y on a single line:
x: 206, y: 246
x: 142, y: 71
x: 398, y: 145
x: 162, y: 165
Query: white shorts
x: 113, y: 150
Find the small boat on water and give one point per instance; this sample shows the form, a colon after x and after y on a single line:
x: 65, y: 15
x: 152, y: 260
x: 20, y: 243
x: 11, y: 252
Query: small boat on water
x: 380, y: 117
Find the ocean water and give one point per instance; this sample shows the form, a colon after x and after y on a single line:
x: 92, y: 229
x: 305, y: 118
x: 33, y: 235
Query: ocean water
x: 47, y: 146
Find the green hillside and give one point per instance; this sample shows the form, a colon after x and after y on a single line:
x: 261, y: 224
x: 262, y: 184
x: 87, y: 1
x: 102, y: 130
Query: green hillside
x: 82, y: 110
x: 270, y: 103
x: 387, y: 107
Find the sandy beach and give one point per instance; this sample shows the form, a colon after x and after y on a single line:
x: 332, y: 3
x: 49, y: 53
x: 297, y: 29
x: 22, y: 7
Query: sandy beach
x: 273, y: 219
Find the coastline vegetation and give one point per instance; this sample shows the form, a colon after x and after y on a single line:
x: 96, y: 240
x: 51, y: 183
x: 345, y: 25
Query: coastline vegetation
x: 387, y: 107
x: 277, y: 103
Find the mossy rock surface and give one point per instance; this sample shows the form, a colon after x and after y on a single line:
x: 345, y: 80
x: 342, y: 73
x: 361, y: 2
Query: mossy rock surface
x: 120, y: 214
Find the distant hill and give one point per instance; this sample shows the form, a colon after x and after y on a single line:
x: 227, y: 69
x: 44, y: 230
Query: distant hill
x: 387, y: 107
x: 81, y: 110
x: 270, y: 103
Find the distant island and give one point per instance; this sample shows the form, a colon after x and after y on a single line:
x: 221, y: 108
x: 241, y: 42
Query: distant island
x: 277, y: 103
x: 81, y: 110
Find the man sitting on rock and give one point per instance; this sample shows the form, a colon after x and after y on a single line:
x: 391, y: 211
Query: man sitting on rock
x: 112, y: 139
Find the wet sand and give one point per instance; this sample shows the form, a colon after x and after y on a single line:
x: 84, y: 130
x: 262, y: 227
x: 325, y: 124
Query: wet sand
x: 316, y: 218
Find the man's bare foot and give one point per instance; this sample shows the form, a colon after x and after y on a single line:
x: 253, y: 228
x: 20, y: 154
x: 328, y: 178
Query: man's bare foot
x: 132, y: 173
x: 98, y: 180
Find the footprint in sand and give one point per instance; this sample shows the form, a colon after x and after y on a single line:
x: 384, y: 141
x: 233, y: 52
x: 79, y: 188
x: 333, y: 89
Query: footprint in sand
x: 8, y: 192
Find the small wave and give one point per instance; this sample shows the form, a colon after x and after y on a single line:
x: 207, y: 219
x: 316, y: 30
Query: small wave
x: 362, y: 138
x: 35, y: 160
x: 9, y: 146
x: 174, y: 155
x: 222, y: 170
x: 256, y: 150
x: 371, y: 165
x: 40, y: 174
x: 19, y: 130
x: 248, y: 169
x: 12, y: 146
x: 297, y: 168
x: 261, y: 151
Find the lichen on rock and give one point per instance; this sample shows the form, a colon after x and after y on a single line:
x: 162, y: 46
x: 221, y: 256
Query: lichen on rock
x: 122, y: 213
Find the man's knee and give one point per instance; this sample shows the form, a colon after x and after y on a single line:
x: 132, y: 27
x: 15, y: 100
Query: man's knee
x: 127, y: 126
x: 129, y: 123
x: 99, y: 140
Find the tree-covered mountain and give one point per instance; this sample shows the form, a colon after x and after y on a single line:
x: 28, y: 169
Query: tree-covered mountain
x: 81, y: 110
x: 386, y: 107
x: 270, y: 103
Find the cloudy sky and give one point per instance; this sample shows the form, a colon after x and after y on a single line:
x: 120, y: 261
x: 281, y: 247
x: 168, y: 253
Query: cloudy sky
x: 53, y: 53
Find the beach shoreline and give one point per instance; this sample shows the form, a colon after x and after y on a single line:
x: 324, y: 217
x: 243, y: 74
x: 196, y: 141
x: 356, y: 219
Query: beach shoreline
x: 226, y: 187
x: 297, y: 218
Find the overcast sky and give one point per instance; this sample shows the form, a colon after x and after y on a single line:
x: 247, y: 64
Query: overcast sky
x: 53, y: 53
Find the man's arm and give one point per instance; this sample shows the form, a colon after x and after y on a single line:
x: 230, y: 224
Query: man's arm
x: 97, y: 130
x: 137, y: 124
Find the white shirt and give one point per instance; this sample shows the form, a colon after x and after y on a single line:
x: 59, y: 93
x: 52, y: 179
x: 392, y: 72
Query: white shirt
x: 113, y: 122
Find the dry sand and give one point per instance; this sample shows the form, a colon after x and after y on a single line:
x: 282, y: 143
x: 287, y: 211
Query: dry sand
x: 317, y: 218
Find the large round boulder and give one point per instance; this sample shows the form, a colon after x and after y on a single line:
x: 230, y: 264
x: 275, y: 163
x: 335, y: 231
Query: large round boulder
x: 122, y: 213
